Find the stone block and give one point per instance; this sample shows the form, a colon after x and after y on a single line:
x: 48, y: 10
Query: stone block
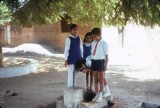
x: 60, y: 102
x: 73, y: 96
x: 147, y: 105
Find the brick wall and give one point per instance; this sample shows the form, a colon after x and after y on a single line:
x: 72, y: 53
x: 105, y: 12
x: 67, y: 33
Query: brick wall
x: 49, y: 34
x: 52, y: 34
x: 20, y: 35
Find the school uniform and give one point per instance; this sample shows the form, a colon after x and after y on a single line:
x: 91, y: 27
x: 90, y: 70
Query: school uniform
x: 88, y: 61
x: 73, y: 52
x: 99, y: 52
x: 86, y: 50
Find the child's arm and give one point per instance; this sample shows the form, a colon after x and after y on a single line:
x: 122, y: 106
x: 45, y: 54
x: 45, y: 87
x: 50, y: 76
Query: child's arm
x: 106, y: 62
x: 85, y: 69
x: 106, y: 54
x: 66, y: 51
x: 81, y: 47
x: 88, y: 61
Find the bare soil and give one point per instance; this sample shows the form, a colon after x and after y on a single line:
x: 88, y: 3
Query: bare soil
x: 39, y: 90
x: 12, y: 61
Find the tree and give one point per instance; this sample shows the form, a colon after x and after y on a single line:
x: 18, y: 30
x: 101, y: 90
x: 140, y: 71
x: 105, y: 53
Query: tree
x: 5, y: 17
x: 111, y: 12
x: 14, y: 5
x: 86, y: 12
x: 5, y: 14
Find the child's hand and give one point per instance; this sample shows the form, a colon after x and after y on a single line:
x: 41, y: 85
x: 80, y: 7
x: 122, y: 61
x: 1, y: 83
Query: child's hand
x: 66, y: 63
x: 83, y: 66
x: 84, y: 71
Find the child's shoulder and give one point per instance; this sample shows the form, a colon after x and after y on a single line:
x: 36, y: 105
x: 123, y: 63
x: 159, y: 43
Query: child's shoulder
x: 103, y: 41
x: 93, y: 41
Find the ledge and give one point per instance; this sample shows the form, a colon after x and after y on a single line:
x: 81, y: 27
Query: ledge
x: 13, y: 71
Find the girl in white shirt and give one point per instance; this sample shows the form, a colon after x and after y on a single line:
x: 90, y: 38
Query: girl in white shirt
x: 73, y: 52
x: 87, y: 52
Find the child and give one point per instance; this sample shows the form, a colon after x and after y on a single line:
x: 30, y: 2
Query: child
x: 87, y: 52
x: 99, y: 63
x: 73, y: 52
x: 86, y: 68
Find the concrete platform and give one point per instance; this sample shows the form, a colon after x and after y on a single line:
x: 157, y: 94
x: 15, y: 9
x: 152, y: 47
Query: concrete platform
x: 12, y: 71
x: 103, y: 103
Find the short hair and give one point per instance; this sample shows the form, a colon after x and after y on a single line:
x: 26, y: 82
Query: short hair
x: 73, y: 26
x: 96, y: 31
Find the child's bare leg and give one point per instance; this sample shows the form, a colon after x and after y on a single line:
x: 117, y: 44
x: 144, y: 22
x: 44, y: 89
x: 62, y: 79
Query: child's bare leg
x: 105, y: 81
x: 87, y: 75
x: 101, y: 81
x: 91, y: 80
x: 106, y: 87
x: 95, y: 74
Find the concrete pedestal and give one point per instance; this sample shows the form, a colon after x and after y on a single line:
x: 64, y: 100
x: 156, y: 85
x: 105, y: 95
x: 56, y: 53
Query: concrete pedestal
x: 73, y: 96
x: 60, y: 102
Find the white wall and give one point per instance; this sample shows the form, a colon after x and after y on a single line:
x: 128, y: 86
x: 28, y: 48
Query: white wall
x: 141, y: 44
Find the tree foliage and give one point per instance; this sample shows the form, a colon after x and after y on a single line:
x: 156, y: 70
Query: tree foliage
x: 92, y: 12
x: 5, y: 14
x: 14, y: 5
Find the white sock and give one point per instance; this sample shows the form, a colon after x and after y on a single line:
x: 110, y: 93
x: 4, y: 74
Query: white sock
x: 97, y: 95
x: 100, y: 94
x: 107, y: 89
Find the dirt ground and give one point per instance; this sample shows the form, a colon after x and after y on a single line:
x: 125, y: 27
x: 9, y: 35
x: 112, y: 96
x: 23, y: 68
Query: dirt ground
x: 40, y: 89
x: 129, y: 84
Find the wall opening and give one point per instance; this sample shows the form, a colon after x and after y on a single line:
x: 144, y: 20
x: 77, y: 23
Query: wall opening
x: 65, y: 27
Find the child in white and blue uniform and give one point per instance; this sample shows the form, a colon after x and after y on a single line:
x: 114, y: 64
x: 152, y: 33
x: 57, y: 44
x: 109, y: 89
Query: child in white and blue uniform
x: 87, y: 52
x: 73, y: 52
x: 99, y: 63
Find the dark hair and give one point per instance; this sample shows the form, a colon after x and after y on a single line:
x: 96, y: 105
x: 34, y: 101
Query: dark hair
x: 73, y: 26
x: 96, y: 31
x: 87, y: 34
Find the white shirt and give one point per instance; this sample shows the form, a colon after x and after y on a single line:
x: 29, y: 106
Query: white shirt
x: 88, y: 61
x: 67, y: 47
x: 87, y: 44
x: 101, y: 51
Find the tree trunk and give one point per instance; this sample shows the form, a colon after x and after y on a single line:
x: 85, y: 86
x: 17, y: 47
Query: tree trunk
x: 1, y: 55
x: 121, y: 37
